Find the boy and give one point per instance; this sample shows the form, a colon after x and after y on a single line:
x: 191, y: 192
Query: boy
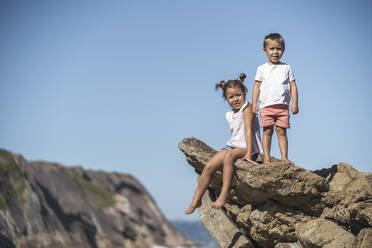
x: 275, y: 85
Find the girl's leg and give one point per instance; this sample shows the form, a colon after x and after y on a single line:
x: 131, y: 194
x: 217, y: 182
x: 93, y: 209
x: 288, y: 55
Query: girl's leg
x: 228, y: 169
x: 213, y: 164
x: 283, y: 144
x: 266, y: 142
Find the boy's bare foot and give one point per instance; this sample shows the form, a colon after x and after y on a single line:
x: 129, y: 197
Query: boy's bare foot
x: 219, y: 203
x: 192, y: 208
x: 288, y: 161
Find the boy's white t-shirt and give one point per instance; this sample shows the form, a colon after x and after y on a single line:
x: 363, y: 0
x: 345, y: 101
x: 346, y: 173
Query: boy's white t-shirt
x: 274, y: 80
x: 236, y: 124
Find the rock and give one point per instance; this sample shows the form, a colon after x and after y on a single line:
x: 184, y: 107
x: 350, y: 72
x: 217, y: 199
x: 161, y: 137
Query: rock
x: 278, y: 205
x: 364, y: 238
x: 291, y: 185
x: 222, y: 229
x: 323, y: 233
x: 44, y: 205
x: 270, y: 223
x: 288, y: 245
x: 349, y: 200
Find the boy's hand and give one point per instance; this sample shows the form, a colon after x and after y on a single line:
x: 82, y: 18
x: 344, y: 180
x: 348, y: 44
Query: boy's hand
x: 294, y: 109
x: 255, y: 108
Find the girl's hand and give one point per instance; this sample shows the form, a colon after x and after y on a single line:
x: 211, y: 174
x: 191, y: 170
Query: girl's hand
x: 248, y: 158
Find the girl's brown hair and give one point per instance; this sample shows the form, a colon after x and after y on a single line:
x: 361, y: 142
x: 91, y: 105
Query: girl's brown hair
x: 237, y: 83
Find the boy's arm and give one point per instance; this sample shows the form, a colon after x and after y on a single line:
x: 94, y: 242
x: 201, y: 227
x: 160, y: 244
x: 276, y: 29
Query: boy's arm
x: 294, y: 95
x: 248, y: 123
x: 255, y: 95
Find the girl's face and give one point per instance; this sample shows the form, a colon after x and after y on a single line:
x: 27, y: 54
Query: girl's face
x: 235, y: 97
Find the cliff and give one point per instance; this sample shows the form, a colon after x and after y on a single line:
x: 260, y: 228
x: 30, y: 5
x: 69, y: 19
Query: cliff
x: 282, y: 206
x: 48, y: 205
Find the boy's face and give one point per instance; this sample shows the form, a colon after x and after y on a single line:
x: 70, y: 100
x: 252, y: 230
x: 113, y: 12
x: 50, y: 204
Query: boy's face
x: 274, y: 51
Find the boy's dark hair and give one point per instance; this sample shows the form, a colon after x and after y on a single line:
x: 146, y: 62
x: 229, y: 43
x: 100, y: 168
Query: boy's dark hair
x: 274, y: 36
x: 237, y: 83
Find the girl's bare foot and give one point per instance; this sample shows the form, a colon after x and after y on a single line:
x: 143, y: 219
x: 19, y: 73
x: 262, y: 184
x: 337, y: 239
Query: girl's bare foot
x: 288, y: 161
x: 192, y: 208
x: 251, y: 161
x: 266, y: 161
x: 219, y: 203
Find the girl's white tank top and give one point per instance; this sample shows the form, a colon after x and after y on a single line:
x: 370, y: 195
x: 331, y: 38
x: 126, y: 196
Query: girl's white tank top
x: 236, y: 123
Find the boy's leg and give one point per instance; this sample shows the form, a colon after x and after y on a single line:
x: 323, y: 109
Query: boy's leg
x: 213, y: 164
x: 283, y: 144
x: 228, y: 170
x: 282, y: 123
x: 266, y: 142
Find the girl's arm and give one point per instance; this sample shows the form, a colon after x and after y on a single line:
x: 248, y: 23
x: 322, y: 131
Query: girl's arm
x: 248, y: 123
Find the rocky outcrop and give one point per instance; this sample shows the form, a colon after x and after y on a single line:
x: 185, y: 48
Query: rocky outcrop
x: 48, y: 205
x: 279, y: 205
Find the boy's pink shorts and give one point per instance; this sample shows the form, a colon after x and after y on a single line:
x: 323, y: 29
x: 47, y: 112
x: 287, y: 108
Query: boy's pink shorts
x: 277, y: 115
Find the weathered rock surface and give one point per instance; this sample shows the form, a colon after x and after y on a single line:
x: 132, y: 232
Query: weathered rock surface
x: 47, y: 205
x: 215, y: 217
x: 364, y: 238
x: 278, y: 205
x: 323, y: 233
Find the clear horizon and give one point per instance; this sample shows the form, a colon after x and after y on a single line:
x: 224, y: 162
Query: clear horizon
x: 116, y: 85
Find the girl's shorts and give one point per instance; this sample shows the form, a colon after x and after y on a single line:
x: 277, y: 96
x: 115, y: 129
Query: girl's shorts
x: 277, y: 115
x: 229, y: 148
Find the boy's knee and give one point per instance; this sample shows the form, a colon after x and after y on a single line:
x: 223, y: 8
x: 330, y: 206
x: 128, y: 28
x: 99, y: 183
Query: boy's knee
x: 281, y: 131
x: 268, y: 130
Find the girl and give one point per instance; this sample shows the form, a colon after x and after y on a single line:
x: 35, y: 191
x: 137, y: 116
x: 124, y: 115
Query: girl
x: 244, y: 141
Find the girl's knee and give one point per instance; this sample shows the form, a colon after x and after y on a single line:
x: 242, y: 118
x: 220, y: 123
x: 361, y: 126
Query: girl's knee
x: 228, y: 158
x: 228, y: 155
x: 208, y: 169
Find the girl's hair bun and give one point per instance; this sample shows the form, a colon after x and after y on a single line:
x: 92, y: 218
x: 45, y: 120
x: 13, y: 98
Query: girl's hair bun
x: 242, y: 76
x: 220, y: 85
x: 233, y: 84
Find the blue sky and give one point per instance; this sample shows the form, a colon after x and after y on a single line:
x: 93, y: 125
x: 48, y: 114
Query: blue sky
x: 115, y: 85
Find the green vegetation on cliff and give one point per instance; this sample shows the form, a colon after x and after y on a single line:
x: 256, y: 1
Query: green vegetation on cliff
x: 12, y: 183
x: 102, y: 196
x: 47, y: 164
